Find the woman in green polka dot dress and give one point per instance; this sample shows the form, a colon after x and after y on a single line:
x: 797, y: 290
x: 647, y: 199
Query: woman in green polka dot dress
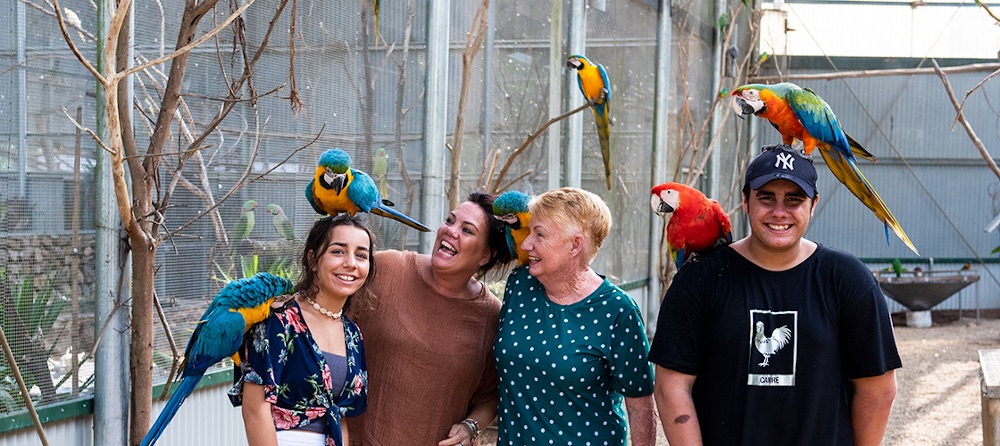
x: 571, y: 347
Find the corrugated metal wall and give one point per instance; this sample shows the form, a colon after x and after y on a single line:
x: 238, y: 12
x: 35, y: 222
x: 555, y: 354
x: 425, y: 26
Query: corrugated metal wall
x: 929, y: 173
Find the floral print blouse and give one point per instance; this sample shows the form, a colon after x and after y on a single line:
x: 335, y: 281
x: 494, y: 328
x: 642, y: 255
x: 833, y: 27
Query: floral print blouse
x: 281, y: 355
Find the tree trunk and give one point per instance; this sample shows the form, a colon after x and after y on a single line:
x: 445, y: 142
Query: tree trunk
x: 141, y: 357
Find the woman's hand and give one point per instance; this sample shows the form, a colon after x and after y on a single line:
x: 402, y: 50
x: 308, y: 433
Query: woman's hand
x: 459, y: 434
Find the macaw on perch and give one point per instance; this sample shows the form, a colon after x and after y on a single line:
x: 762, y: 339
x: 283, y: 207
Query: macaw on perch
x: 512, y: 208
x: 801, y: 114
x: 219, y: 334
x: 596, y: 88
x: 697, y: 222
x: 336, y: 188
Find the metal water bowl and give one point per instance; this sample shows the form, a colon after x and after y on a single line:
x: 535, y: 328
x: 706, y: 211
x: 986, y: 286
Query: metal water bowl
x: 922, y: 290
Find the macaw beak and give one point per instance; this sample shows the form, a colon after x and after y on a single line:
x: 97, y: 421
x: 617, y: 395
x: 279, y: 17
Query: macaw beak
x: 335, y: 181
x: 744, y: 108
x: 573, y: 63
x: 741, y: 108
x: 659, y: 205
x: 511, y: 220
x: 664, y: 208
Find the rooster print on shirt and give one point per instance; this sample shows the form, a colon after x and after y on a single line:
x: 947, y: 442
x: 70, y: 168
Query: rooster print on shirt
x: 773, y: 348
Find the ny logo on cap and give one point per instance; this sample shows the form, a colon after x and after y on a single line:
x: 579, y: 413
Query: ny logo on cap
x: 785, y: 161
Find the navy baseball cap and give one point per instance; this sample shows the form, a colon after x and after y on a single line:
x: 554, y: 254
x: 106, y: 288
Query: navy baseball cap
x: 781, y: 162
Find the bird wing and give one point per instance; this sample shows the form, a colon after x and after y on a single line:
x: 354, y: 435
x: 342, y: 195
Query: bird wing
x: 722, y: 219
x: 363, y: 191
x: 312, y: 198
x: 818, y: 119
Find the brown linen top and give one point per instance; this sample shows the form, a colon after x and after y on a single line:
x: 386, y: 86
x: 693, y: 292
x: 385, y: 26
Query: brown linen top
x: 430, y: 357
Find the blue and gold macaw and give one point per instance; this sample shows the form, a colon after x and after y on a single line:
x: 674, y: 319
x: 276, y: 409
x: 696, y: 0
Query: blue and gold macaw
x: 512, y: 208
x: 336, y: 188
x: 219, y: 334
x: 593, y: 82
x: 801, y: 114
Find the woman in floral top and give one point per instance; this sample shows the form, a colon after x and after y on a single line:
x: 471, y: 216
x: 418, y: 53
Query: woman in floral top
x: 304, y: 367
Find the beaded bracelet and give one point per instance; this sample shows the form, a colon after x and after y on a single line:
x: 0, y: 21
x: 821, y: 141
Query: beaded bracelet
x: 473, y: 426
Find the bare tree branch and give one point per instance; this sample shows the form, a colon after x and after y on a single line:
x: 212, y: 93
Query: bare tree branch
x: 961, y: 117
x: 531, y: 137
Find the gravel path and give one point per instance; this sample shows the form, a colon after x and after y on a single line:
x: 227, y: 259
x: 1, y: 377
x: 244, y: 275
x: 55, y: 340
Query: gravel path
x: 938, y: 397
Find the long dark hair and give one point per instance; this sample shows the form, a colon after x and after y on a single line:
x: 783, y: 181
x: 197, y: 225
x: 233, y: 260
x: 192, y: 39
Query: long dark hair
x: 316, y: 243
x: 496, y: 240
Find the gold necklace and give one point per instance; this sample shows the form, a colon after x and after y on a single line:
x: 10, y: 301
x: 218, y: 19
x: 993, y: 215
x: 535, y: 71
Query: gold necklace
x: 324, y: 311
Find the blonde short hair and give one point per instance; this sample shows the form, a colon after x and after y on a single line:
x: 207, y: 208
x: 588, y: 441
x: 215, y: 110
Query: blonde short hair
x: 575, y: 210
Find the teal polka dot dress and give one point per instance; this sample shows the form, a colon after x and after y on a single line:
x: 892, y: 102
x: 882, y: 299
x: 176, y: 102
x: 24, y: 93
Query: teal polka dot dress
x: 564, y: 368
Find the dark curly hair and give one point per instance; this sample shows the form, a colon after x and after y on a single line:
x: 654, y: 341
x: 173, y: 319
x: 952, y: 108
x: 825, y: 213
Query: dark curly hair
x: 317, y: 241
x: 496, y: 240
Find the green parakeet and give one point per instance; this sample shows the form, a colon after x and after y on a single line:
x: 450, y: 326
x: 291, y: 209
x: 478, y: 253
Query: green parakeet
x: 281, y: 222
x: 897, y: 267
x: 245, y: 226
x: 380, y: 168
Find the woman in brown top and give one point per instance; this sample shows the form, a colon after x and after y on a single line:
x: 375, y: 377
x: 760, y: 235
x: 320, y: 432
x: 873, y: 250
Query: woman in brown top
x: 428, y: 343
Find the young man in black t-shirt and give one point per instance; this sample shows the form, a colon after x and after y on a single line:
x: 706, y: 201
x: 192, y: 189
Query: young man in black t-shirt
x: 775, y: 340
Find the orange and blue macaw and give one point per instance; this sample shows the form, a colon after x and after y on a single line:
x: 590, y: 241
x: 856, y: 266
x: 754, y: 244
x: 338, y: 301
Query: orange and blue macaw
x: 799, y: 113
x: 219, y: 334
x: 512, y: 208
x: 593, y: 82
x: 697, y: 222
x: 336, y: 188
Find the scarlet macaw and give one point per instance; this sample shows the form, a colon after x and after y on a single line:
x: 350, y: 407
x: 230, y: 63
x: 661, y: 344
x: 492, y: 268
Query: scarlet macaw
x: 336, y: 188
x: 801, y: 114
x: 245, y: 225
x: 697, y: 223
x: 593, y: 82
x: 512, y: 208
x: 281, y: 222
x: 219, y: 333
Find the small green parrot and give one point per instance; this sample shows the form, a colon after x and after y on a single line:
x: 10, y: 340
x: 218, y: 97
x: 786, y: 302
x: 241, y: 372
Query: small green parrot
x: 897, y: 267
x: 723, y: 22
x: 245, y: 226
x: 281, y: 222
x: 380, y: 169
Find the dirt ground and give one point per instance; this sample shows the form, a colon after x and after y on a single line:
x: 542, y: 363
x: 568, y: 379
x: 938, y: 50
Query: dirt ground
x: 938, y: 397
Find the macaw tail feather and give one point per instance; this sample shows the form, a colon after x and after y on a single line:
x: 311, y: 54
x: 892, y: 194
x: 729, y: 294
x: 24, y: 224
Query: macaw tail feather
x: 857, y: 150
x: 847, y: 172
x: 400, y: 217
x: 184, y: 389
x: 604, y: 135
